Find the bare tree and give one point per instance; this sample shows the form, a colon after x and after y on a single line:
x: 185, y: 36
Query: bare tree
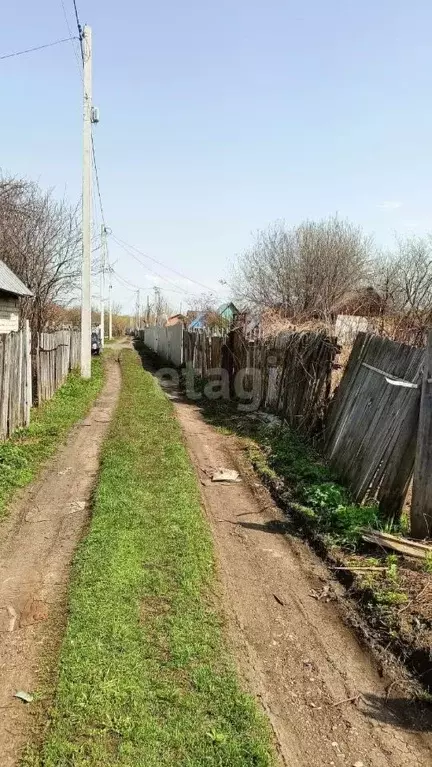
x: 40, y: 241
x: 304, y: 271
x: 404, y: 280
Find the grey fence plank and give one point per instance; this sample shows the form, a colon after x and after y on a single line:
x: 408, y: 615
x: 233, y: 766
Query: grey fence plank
x: 421, y: 508
x: 372, y: 423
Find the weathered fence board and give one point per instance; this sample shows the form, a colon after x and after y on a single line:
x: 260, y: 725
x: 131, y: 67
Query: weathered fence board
x: 167, y: 342
x: 56, y: 355
x: 5, y: 372
x: 15, y: 375
x: 372, y: 423
x: 421, y: 508
x: 289, y: 374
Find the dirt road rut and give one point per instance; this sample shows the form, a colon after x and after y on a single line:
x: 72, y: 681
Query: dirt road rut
x: 320, y: 688
x: 37, y: 543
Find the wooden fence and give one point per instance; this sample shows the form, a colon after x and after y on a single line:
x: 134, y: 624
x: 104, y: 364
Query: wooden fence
x: 289, y: 375
x: 377, y: 426
x: 56, y: 355
x: 292, y: 371
x: 15, y: 381
x: 167, y: 342
x: 372, y: 424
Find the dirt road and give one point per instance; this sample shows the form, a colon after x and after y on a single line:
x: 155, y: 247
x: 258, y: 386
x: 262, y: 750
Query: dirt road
x: 37, y: 543
x: 320, y: 688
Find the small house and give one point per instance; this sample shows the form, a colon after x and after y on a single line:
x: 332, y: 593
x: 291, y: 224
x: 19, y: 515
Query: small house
x: 228, y: 311
x: 176, y: 319
x: 11, y: 290
x: 199, y: 322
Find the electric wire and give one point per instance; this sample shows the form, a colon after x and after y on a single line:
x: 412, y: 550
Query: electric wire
x: 80, y: 29
x: 77, y: 58
x: 170, y: 268
x: 37, y: 48
x: 175, y: 289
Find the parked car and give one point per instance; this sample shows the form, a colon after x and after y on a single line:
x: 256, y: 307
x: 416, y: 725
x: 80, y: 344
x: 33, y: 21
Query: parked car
x: 95, y: 344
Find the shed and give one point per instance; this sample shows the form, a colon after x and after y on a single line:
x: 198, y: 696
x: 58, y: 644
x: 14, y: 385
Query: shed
x: 11, y: 290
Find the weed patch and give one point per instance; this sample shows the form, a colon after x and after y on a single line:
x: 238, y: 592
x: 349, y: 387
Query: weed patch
x: 316, y: 495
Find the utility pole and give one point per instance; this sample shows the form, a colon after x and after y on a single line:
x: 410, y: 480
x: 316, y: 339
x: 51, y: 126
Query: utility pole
x: 138, y: 310
x: 102, y: 284
x: 157, y: 303
x: 86, y: 207
x: 110, y: 305
x: 148, y: 310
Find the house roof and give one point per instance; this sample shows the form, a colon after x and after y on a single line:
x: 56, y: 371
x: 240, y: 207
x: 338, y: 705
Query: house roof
x: 10, y: 283
x: 229, y: 305
x: 174, y: 319
x: 198, y: 322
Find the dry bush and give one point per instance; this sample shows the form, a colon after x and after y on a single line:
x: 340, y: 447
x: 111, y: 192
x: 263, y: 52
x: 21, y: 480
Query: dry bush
x: 305, y: 270
x: 273, y: 322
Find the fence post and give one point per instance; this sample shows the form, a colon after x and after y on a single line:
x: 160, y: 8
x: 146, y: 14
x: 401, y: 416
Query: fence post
x: 6, y: 385
x: 421, y: 506
x: 228, y: 359
x: 28, y: 373
x: 38, y: 369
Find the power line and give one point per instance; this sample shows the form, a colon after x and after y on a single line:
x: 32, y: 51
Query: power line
x: 133, y: 286
x: 37, y: 48
x: 126, y: 283
x: 176, y: 289
x: 180, y: 274
x: 97, y: 181
x: 79, y: 64
x: 77, y: 17
x: 80, y: 29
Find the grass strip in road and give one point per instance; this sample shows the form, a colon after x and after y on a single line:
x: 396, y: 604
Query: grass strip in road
x: 24, y: 453
x: 145, y: 677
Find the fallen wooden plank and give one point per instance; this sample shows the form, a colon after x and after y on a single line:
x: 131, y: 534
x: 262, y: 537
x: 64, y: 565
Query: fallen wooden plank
x: 226, y: 475
x: 401, y: 545
x: 360, y: 569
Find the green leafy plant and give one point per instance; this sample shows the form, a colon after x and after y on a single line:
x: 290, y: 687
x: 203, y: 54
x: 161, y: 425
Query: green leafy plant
x: 389, y: 597
x: 392, y: 566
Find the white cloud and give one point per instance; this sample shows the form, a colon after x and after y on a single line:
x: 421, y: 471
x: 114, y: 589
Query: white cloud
x: 390, y: 205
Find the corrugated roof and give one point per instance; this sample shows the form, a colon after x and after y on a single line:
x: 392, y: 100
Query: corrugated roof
x: 11, y: 283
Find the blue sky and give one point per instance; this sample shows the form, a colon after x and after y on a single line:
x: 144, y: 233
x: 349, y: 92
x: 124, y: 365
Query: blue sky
x: 218, y: 118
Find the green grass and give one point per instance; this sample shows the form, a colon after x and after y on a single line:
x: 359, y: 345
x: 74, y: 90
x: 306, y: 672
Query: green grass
x: 327, y: 509
x: 22, y: 455
x: 324, y: 503
x: 310, y: 487
x: 145, y: 677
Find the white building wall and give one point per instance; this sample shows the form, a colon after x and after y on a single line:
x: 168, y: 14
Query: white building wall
x: 347, y: 326
x: 9, y: 313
